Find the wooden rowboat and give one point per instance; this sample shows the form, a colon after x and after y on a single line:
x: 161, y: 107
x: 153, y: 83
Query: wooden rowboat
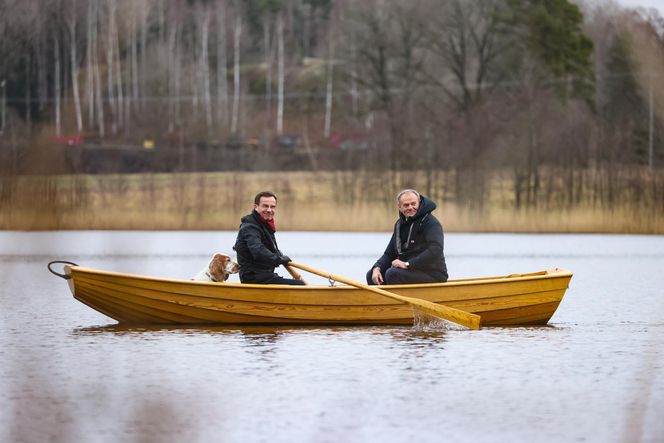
x: 517, y: 299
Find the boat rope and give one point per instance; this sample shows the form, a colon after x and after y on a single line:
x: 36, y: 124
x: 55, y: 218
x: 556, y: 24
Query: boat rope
x: 65, y: 276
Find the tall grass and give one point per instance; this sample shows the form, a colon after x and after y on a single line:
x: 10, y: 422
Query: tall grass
x: 326, y: 201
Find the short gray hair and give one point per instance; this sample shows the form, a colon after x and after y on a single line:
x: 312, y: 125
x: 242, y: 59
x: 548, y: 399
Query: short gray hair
x: 405, y: 191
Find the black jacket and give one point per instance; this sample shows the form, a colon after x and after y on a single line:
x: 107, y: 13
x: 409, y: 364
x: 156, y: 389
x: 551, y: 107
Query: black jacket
x: 419, y: 241
x: 256, y: 248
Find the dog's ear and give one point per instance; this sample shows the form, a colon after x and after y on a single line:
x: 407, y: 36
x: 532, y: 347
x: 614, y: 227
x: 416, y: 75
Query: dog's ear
x: 217, y: 265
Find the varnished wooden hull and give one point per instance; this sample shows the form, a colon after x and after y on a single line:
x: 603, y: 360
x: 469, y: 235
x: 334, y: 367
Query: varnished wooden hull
x: 520, y: 299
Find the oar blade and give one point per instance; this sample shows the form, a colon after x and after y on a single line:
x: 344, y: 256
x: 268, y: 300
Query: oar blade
x: 471, y: 321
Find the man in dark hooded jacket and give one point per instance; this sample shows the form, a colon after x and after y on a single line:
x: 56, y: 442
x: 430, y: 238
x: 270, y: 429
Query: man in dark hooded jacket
x: 415, y: 251
x: 256, y: 245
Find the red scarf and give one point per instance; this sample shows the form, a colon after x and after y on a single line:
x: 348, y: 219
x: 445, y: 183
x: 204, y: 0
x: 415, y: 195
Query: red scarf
x: 269, y: 223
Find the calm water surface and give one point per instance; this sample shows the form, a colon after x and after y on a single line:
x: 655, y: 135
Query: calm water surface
x: 596, y: 373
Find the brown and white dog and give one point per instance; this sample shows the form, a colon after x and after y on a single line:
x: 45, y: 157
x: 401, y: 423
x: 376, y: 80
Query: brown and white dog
x: 218, y: 270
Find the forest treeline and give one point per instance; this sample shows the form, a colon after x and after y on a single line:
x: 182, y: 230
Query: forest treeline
x: 563, y: 101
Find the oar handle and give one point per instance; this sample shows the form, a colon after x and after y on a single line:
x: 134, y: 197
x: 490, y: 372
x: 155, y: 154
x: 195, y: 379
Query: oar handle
x: 296, y: 275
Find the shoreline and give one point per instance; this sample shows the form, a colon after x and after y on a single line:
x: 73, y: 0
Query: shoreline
x: 323, y: 201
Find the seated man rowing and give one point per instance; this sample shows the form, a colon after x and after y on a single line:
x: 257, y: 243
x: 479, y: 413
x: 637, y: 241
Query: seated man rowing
x: 256, y: 245
x: 415, y: 251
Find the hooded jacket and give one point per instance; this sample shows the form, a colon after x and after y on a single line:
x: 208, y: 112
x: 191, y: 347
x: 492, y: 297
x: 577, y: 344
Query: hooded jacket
x: 256, y: 248
x: 419, y: 241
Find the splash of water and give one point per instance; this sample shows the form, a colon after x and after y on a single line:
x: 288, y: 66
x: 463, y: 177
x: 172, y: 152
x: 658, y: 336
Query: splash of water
x: 426, y: 322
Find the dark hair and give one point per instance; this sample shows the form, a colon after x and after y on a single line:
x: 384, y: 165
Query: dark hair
x: 260, y: 195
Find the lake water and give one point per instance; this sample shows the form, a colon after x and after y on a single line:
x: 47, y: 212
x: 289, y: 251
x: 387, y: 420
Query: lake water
x: 595, y: 374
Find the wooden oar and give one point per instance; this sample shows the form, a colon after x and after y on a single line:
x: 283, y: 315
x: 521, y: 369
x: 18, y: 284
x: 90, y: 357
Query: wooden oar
x: 448, y: 313
x: 296, y: 275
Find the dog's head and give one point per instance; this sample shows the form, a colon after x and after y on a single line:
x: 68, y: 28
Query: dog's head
x: 221, y: 266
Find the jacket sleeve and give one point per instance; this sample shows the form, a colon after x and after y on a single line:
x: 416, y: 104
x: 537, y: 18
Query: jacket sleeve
x: 258, y: 250
x: 385, y: 260
x: 433, y: 252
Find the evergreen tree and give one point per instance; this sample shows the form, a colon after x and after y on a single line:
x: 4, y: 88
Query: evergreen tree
x: 551, y: 31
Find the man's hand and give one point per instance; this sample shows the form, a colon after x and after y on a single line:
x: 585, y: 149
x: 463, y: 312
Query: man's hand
x: 284, y: 259
x: 376, y: 276
x: 396, y: 263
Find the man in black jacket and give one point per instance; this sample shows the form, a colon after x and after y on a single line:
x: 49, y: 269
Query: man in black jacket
x: 415, y: 251
x: 256, y: 245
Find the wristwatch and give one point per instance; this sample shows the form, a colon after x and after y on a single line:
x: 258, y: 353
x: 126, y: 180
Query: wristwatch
x: 407, y: 265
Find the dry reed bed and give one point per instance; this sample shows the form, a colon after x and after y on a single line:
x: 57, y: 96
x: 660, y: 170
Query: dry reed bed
x: 325, y: 201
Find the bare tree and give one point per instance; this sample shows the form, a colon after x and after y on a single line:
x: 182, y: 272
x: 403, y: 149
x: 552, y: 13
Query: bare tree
x: 97, y: 78
x: 41, y: 53
x: 467, y: 50
x: 90, y: 66
x: 389, y: 61
x: 236, y: 73
x: 204, y: 67
x: 28, y: 93
x: 133, y: 94
x: 647, y: 49
x: 120, y: 88
x: 57, y: 84
x: 280, y: 73
x: 222, y: 79
x: 110, y: 73
x: 173, y: 71
x: 144, y: 10
x: 267, y: 49
x: 3, y: 73
x: 3, y: 106
x: 72, y: 22
x: 329, y: 77
x: 466, y: 43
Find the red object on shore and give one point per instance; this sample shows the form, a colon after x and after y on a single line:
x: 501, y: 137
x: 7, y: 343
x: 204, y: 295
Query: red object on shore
x: 68, y: 140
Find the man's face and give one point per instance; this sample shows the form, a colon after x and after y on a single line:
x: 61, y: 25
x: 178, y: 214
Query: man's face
x: 408, y: 204
x: 266, y: 207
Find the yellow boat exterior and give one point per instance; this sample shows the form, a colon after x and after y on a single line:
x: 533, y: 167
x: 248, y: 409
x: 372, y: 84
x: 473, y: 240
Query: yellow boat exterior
x: 514, y: 300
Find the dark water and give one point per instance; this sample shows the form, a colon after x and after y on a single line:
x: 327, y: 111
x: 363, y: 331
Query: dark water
x: 596, y: 373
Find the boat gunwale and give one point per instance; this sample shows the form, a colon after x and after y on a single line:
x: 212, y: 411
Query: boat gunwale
x: 552, y: 273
